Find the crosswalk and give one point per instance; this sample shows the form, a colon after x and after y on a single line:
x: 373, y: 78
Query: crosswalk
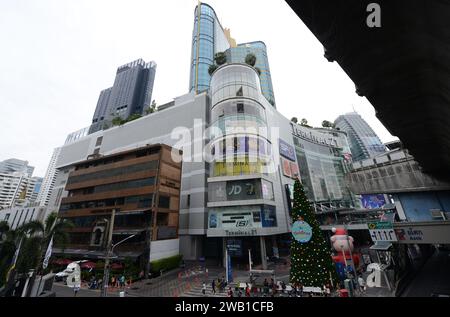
x: 196, y: 291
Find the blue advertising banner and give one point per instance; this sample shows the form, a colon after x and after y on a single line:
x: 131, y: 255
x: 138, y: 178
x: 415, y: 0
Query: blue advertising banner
x: 229, y: 270
x: 287, y: 150
x: 373, y: 201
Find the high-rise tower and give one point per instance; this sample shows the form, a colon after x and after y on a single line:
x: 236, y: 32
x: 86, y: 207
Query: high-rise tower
x: 364, y: 142
x: 210, y: 38
x: 131, y: 94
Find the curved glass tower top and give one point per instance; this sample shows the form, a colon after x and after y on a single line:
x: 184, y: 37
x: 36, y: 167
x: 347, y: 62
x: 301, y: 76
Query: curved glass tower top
x: 208, y: 38
x: 238, y: 55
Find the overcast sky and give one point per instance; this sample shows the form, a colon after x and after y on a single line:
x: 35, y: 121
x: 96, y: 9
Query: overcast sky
x: 57, y: 55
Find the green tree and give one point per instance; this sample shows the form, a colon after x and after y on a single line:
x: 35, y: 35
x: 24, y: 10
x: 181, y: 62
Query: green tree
x: 250, y: 59
x: 117, y: 121
x: 220, y: 58
x: 152, y: 108
x: 212, y: 68
x: 311, y: 262
x: 258, y: 71
x: 133, y: 117
x: 294, y: 119
x: 328, y: 124
x: 304, y: 122
x: 8, y: 244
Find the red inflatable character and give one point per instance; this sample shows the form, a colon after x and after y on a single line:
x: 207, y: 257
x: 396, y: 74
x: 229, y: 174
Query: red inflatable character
x: 343, y: 244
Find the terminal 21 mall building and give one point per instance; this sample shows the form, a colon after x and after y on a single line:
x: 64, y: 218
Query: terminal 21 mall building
x: 241, y: 196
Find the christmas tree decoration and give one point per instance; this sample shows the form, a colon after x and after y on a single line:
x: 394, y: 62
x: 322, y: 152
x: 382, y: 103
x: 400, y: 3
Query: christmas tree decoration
x: 311, y: 262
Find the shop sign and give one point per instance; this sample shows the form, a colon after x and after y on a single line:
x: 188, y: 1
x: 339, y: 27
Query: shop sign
x: 382, y: 231
x: 241, y: 233
x: 234, y: 248
x: 316, y: 137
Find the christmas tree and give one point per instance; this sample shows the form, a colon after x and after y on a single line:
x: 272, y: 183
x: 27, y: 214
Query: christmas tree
x: 311, y: 262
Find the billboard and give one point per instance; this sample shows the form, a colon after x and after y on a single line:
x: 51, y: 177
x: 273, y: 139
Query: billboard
x: 372, y: 201
x: 286, y: 150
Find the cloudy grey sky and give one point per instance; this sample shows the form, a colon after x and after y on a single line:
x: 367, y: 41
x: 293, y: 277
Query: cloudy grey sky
x: 56, y: 56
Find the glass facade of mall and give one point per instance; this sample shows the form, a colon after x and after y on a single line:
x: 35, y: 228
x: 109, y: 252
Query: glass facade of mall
x: 322, y: 169
x: 239, y: 143
x: 241, y: 153
x: 238, y: 55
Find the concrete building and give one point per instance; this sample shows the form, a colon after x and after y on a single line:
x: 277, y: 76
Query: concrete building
x: 364, y: 142
x: 49, y: 179
x: 17, y: 216
x: 33, y: 188
x: 131, y: 94
x: 187, y: 111
x: 244, y: 201
x: 16, y: 165
x: 142, y: 186
x: 12, y: 188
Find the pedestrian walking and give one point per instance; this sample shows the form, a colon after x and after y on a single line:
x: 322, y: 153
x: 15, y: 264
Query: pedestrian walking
x: 247, y: 290
x: 76, y: 289
x: 230, y: 292
x: 213, y: 285
x: 362, y: 285
x: 204, y: 289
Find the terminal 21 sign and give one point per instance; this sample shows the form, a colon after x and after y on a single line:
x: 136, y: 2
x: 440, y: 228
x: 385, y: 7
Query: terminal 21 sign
x: 316, y: 137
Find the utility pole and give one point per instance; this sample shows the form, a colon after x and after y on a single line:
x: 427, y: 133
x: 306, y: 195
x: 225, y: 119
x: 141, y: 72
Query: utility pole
x: 108, y: 254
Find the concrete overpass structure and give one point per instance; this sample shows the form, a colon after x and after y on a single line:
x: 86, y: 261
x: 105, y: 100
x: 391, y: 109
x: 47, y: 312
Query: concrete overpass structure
x: 402, y: 67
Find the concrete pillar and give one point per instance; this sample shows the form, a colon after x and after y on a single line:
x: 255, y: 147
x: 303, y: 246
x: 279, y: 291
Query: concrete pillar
x: 398, y: 206
x: 263, y: 252
x: 224, y: 246
x: 276, y: 253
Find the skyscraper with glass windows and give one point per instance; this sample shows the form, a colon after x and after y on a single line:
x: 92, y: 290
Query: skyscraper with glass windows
x: 364, y: 142
x: 131, y: 94
x: 210, y: 38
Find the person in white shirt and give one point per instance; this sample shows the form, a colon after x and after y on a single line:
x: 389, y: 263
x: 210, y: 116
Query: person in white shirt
x: 362, y: 284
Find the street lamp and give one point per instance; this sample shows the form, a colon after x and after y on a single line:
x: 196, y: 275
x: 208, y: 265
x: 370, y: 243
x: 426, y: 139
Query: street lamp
x: 107, y: 258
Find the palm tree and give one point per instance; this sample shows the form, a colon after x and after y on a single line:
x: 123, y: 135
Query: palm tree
x: 250, y: 59
x: 38, y: 238
x: 8, y: 241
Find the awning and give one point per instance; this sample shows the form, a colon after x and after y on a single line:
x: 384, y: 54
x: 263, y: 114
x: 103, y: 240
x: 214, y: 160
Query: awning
x: 381, y: 246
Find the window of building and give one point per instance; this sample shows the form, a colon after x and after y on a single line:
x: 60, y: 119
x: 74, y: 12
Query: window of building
x: 164, y: 202
x: 162, y: 219
x: 99, y: 141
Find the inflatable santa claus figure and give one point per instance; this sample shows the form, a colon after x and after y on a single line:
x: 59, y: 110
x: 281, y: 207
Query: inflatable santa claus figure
x: 343, y: 245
